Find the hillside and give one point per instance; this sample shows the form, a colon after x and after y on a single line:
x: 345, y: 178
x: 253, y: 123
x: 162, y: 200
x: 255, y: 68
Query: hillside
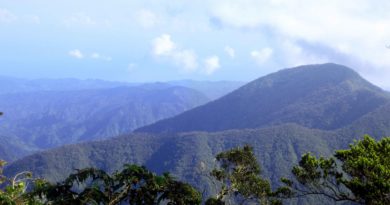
x: 315, y: 108
x: 212, y: 89
x: 326, y: 96
x: 46, y: 119
x: 277, y: 148
x: 189, y: 156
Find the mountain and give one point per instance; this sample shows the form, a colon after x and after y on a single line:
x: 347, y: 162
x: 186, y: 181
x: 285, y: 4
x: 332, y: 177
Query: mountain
x: 46, y: 119
x: 17, y: 85
x: 314, y: 108
x: 326, y: 96
x: 189, y: 156
x: 182, y: 154
x: 11, y: 148
x: 212, y: 89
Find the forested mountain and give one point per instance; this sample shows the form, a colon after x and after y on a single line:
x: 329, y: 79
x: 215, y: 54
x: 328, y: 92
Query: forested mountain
x: 316, y: 108
x: 327, y: 96
x: 183, y: 154
x: 45, y: 119
x: 190, y: 156
x: 212, y: 89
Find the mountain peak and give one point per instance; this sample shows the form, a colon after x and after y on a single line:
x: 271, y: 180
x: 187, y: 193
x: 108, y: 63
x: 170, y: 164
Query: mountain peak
x: 313, y: 75
x: 324, y: 96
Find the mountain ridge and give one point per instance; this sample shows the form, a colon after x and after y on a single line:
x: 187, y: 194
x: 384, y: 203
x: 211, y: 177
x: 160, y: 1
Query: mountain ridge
x: 282, y: 97
x: 45, y: 119
x: 299, y: 124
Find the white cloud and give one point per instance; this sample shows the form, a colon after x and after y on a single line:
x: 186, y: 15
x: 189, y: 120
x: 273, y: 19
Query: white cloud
x: 262, y: 55
x: 76, y: 54
x: 294, y: 55
x: 81, y: 19
x: 230, y: 51
x: 184, y: 58
x: 98, y: 56
x: 211, y: 65
x: 163, y: 45
x: 146, y: 18
x: 243, y: 13
x: 356, y: 28
x: 7, y: 16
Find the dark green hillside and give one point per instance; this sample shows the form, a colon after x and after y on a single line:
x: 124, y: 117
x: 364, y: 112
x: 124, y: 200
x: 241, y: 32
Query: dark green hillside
x: 376, y: 123
x: 184, y: 155
x: 47, y: 119
x: 327, y: 96
x: 316, y: 108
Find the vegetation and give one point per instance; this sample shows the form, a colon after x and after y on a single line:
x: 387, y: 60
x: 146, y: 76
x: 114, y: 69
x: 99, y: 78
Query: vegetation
x: 133, y: 185
x: 239, y: 175
x: 279, y: 113
x: 277, y: 148
x: 14, y: 188
x: 43, y: 120
x: 360, y: 174
x: 326, y: 97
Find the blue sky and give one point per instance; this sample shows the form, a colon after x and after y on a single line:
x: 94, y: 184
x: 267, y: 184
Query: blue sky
x: 160, y: 40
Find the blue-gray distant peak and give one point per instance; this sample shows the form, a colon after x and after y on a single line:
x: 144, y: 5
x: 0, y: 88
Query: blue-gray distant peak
x: 323, y: 96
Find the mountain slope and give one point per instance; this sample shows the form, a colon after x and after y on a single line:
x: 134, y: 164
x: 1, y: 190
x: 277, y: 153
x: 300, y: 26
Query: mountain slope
x: 277, y: 148
x: 326, y: 96
x: 189, y: 156
x: 47, y: 119
x: 317, y: 108
x: 212, y: 89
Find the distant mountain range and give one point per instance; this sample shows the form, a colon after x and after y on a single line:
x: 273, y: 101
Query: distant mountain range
x: 313, y: 108
x: 42, y: 114
x: 47, y: 119
x: 212, y: 89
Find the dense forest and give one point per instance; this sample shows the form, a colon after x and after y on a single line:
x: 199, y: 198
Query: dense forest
x: 293, y: 120
x: 359, y: 174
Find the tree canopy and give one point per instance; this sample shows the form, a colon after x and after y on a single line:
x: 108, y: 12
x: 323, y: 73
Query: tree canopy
x: 134, y: 185
x: 240, y: 179
x: 360, y: 174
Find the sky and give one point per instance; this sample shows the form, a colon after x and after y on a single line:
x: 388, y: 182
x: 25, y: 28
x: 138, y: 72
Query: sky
x: 162, y: 40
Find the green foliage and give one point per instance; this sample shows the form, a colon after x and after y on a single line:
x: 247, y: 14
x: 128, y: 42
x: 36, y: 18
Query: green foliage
x: 181, y: 154
x: 134, y: 185
x: 367, y: 163
x: 214, y: 201
x: 360, y: 174
x: 239, y: 175
x: 14, y: 188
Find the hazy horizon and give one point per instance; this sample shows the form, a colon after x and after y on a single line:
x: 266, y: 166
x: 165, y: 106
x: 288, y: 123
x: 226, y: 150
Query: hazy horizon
x: 159, y: 41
